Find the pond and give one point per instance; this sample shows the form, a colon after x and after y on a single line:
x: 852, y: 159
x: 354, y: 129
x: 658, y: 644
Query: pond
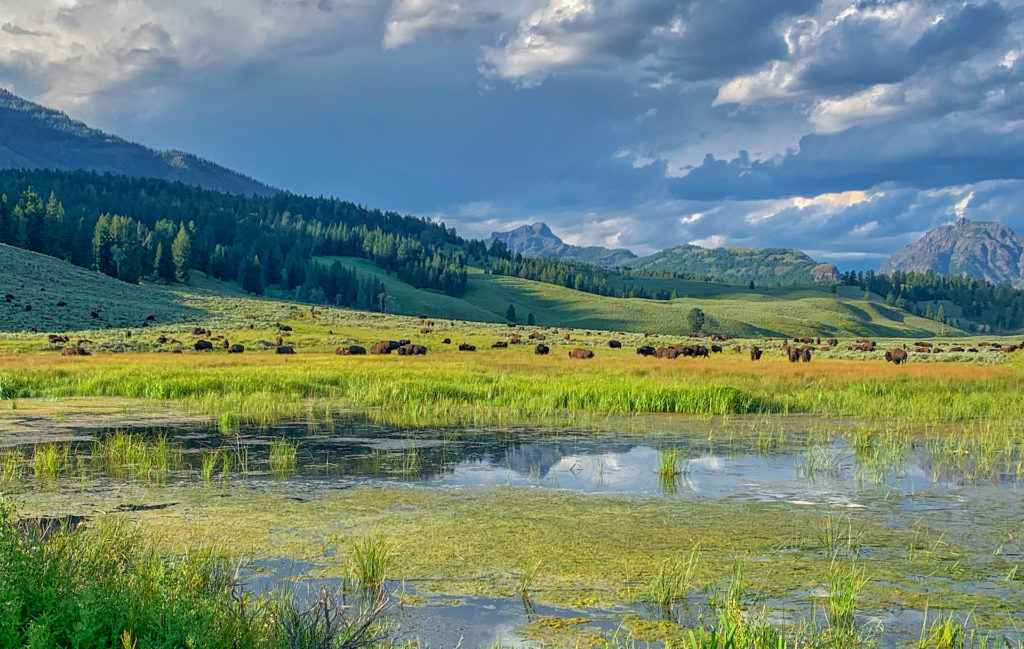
x: 901, y: 483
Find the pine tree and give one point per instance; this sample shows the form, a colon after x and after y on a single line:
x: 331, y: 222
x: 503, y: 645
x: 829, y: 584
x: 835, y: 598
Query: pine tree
x: 181, y: 253
x: 530, y: 319
x: 510, y: 314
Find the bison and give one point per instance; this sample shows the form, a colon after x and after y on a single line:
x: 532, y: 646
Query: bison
x: 645, y: 350
x: 55, y: 338
x: 501, y: 344
x: 666, y: 352
x: 160, y: 340
x: 203, y: 346
x: 578, y: 352
x: 536, y: 335
x: 351, y: 350
x: 541, y: 349
x: 755, y: 353
x: 896, y: 356
x: 62, y: 303
x: 284, y: 349
x: 466, y: 347
x: 74, y: 351
x: 614, y: 344
x: 805, y: 354
x: 236, y: 349
x: 410, y: 349
x: 832, y: 342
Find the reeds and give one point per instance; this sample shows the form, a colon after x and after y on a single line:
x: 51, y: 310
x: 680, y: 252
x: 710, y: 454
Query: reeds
x: 672, y: 583
x: 371, y: 561
x: 283, y: 454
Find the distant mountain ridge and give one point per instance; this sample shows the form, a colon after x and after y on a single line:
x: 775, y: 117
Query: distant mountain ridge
x: 36, y: 137
x: 736, y: 265
x: 537, y: 240
x: 980, y: 249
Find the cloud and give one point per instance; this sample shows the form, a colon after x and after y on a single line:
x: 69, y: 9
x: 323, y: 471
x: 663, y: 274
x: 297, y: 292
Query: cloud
x: 409, y: 20
x: 661, y: 42
x: 76, y: 50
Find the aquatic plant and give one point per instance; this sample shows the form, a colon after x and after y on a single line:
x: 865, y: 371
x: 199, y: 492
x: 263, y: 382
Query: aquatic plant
x: 209, y: 460
x: 282, y: 456
x: 672, y: 583
x: 526, y: 580
x: 229, y: 423
x: 371, y: 561
x: 11, y: 469
x: 844, y: 585
x: 50, y: 460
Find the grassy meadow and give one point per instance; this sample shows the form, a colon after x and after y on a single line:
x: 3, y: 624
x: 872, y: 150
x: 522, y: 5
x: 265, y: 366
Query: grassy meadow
x: 157, y: 562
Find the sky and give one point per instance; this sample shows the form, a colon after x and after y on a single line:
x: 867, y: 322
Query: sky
x: 845, y: 129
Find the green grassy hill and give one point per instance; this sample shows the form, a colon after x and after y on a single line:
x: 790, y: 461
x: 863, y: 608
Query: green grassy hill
x: 42, y: 282
x: 734, y: 310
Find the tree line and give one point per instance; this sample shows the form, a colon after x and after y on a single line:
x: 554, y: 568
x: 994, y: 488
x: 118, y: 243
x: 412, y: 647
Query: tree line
x: 133, y: 228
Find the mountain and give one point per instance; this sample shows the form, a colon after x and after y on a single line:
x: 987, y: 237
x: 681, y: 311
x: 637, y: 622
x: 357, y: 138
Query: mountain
x: 740, y: 265
x: 538, y: 240
x: 35, y: 137
x: 978, y: 249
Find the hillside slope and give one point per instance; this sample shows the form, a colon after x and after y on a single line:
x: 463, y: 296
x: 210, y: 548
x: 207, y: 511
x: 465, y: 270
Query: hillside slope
x: 982, y: 250
x: 740, y: 265
x: 736, y: 311
x: 35, y: 137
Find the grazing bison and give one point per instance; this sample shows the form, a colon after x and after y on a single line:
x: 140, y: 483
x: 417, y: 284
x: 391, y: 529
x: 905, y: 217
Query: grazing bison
x: 832, y: 342
x: 410, y: 349
x: 614, y: 344
x: 716, y: 349
x: 283, y: 327
x: 54, y: 339
x: 351, y: 350
x: 956, y: 349
x: 424, y: 331
x: 536, y: 335
x: 666, y: 352
x: 84, y: 341
x: 755, y: 353
x: 578, y: 352
x: 236, y: 349
x: 285, y: 349
x: 62, y: 303
x: 446, y: 341
x: 466, y: 347
x: 198, y: 331
x: 203, y: 346
x: 74, y: 351
x: 541, y: 349
x: 160, y: 340
x: 94, y: 315
x: 226, y: 344
x: 383, y: 347
x: 501, y: 344
x: 645, y: 350
x: 896, y: 356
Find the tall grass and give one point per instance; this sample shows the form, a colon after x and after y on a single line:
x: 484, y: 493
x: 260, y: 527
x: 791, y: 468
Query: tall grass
x: 283, y: 453
x: 371, y: 561
x: 672, y: 583
x: 106, y: 587
x: 49, y: 461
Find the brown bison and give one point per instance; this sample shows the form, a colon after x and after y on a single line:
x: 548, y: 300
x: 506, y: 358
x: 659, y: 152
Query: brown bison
x: 793, y: 353
x: 203, y: 346
x: 383, y: 347
x: 666, y: 352
x: 226, y: 344
x: 55, y: 338
x: 645, y: 350
x: 351, y: 350
x: 755, y: 353
x: 541, y: 349
x: 896, y: 356
x: 410, y: 349
x: 832, y: 342
x: 74, y: 351
x: 501, y: 344
x: 614, y: 344
x: 579, y: 352
x: 160, y: 340
x: 285, y: 349
x: 466, y: 347
x: 236, y: 349
x: 424, y: 331
x: 805, y: 354
x: 536, y: 335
